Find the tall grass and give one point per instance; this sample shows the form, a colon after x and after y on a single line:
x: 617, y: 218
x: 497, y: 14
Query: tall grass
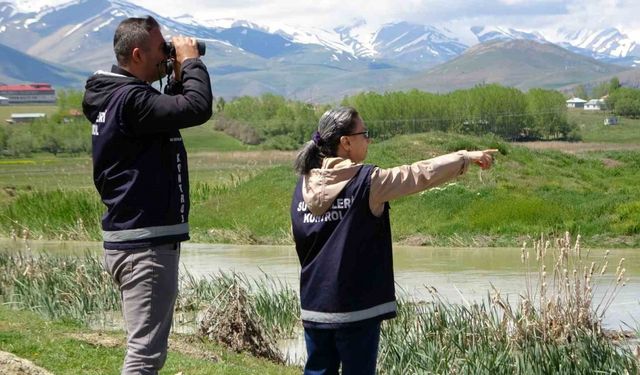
x: 59, y: 214
x: 57, y: 286
x: 554, y: 328
x: 78, y: 288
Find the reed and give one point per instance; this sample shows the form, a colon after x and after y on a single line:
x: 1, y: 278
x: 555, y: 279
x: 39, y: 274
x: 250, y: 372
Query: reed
x: 445, y: 338
x: 555, y: 327
x: 558, y: 301
x: 57, y: 286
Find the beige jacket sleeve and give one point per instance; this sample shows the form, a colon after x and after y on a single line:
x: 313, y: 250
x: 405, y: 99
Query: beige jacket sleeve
x: 396, y: 182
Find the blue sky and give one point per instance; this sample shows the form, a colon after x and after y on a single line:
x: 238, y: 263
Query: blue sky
x: 523, y: 14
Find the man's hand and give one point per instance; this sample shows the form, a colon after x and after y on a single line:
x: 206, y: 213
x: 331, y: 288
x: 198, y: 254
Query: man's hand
x: 186, y: 48
x: 482, y: 158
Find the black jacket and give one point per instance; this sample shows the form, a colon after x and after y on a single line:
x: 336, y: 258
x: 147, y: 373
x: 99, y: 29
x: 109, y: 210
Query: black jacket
x: 139, y: 159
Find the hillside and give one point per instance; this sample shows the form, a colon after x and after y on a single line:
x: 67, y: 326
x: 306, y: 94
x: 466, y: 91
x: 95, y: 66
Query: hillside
x: 520, y: 63
x: 18, y: 67
x: 528, y: 192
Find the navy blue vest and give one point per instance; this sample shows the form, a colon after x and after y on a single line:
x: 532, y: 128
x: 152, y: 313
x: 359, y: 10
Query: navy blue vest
x: 143, y: 180
x: 346, y: 258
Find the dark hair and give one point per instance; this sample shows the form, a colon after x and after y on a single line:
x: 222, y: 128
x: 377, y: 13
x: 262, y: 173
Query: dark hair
x: 132, y: 33
x: 333, y: 124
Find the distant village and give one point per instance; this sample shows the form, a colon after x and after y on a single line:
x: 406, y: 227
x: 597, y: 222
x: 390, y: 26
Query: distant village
x: 32, y: 93
x: 592, y: 105
x: 44, y: 93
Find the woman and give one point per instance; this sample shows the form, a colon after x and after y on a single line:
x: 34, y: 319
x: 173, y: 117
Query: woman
x: 340, y: 222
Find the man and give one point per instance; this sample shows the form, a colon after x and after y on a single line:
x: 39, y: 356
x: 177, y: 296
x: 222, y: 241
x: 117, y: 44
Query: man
x: 140, y: 171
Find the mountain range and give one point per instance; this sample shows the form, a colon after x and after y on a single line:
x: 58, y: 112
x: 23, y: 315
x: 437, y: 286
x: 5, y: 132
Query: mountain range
x: 62, y: 44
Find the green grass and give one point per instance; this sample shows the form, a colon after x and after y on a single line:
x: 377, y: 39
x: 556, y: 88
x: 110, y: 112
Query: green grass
x: 54, y: 346
x: 74, y: 291
x: 527, y: 192
x: 46, y: 172
x: 592, y: 129
x: 204, y: 138
x: 7, y: 110
x: 244, y: 197
x: 255, y: 211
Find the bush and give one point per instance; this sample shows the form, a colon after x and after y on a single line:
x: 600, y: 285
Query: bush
x: 282, y: 142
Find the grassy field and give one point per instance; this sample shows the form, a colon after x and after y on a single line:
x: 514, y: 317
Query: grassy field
x: 528, y: 192
x: 65, y: 347
x: 205, y: 138
x: 534, y: 190
x: 7, y: 110
x: 592, y: 129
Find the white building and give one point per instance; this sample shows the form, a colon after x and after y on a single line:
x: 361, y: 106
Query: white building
x: 594, y: 105
x: 25, y: 117
x: 576, y: 103
x: 4, y: 101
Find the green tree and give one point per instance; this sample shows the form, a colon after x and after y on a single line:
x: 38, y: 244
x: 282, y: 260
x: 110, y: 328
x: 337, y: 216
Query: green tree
x: 548, y: 113
x: 220, y: 104
x: 614, y: 84
x: 600, y: 90
x: 580, y: 92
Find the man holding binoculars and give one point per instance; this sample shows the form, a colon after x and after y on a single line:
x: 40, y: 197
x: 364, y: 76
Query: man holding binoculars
x: 140, y: 172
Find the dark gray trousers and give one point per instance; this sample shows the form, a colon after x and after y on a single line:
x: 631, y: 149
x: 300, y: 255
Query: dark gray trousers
x: 148, y: 282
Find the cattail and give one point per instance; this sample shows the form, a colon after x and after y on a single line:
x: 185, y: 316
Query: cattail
x: 604, y: 267
x: 619, y: 266
x: 621, y: 275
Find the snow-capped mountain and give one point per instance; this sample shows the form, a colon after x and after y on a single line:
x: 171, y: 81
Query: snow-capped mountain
x: 487, y: 34
x: 415, y: 43
x: 250, y: 58
x: 400, y: 42
x: 606, y: 43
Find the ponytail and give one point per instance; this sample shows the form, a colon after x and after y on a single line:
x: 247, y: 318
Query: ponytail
x: 308, y: 157
x: 333, y: 124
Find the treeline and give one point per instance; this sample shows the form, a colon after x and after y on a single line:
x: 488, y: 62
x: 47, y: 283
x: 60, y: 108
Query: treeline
x: 596, y: 91
x: 625, y: 102
x: 65, y: 131
x: 506, y: 112
x: 270, y: 120
x: 503, y: 111
x: 277, y: 123
x: 45, y: 136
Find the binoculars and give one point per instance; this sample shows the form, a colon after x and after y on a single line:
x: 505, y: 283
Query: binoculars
x: 170, y: 49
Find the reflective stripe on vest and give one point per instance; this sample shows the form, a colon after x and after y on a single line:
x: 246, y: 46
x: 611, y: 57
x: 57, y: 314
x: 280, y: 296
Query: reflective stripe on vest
x: 144, y: 233
x: 348, y: 317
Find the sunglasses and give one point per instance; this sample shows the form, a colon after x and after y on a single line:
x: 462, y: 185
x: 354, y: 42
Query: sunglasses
x: 365, y: 133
